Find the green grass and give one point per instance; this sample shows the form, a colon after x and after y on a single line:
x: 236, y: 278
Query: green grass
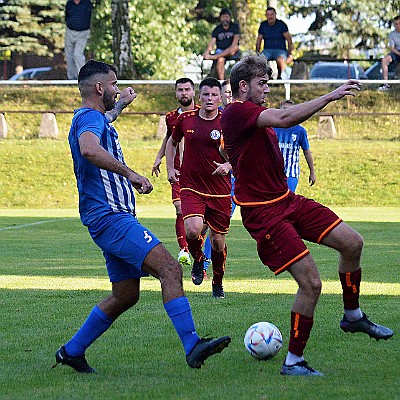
x: 52, y: 274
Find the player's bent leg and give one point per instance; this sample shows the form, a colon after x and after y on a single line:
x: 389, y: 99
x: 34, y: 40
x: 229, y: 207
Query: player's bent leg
x: 306, y: 275
x: 160, y: 264
x: 348, y: 243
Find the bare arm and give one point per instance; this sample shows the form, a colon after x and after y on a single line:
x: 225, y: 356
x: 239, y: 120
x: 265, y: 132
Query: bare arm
x: 170, y: 152
x: 287, y: 117
x: 310, y: 161
x: 155, y: 170
x: 209, y: 48
x: 288, y: 38
x: 230, y: 51
x: 90, y: 148
x: 125, y: 98
x: 258, y: 42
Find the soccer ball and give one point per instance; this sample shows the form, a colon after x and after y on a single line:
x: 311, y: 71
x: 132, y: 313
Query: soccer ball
x: 263, y: 340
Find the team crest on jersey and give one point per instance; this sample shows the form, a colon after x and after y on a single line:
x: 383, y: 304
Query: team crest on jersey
x: 215, y: 134
x: 294, y: 137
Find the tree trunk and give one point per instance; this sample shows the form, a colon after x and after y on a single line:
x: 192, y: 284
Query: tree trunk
x: 121, y: 45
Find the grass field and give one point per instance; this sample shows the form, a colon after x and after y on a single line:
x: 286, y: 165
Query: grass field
x: 52, y: 274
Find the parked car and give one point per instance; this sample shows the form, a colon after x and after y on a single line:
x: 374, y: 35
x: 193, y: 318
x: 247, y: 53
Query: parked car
x: 375, y: 71
x: 40, y: 73
x: 337, y: 70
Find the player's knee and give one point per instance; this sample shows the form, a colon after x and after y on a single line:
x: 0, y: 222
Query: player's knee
x: 356, y: 244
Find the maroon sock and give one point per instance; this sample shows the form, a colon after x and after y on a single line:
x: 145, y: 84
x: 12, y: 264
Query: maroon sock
x: 218, y: 265
x: 195, y: 248
x: 351, y: 289
x: 299, y: 333
x: 180, y: 232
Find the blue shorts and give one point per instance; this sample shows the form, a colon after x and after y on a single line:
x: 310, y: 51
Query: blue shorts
x: 273, y: 54
x: 395, y: 57
x: 292, y: 183
x: 125, y: 244
x: 236, y: 56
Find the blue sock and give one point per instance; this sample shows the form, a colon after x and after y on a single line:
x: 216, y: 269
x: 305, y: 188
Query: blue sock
x: 95, y: 325
x: 207, y: 251
x: 181, y: 316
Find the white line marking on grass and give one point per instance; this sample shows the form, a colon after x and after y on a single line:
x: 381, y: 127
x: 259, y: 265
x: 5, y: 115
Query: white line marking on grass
x: 32, y: 224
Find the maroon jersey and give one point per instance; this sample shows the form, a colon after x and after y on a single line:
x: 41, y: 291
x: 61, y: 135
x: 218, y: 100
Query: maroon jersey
x: 202, y: 140
x: 170, y: 120
x: 254, y: 154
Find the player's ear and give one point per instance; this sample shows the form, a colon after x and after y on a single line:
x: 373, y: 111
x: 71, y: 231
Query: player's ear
x: 99, y: 88
x: 243, y: 86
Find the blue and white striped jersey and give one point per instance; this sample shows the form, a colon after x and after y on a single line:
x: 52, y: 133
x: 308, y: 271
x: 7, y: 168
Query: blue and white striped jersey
x: 101, y: 192
x: 290, y: 141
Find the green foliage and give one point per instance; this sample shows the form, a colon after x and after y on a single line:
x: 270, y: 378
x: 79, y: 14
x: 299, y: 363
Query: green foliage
x: 32, y: 26
x: 353, y: 24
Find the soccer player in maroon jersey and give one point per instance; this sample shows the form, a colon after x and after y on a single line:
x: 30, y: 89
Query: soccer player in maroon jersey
x: 184, y: 91
x: 205, y: 182
x: 278, y: 219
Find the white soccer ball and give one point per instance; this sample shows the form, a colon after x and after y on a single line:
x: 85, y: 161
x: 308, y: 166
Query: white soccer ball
x: 263, y: 340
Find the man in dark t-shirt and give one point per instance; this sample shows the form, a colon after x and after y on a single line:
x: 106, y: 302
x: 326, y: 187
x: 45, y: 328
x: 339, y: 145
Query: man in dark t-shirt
x: 225, y: 37
x: 275, y: 33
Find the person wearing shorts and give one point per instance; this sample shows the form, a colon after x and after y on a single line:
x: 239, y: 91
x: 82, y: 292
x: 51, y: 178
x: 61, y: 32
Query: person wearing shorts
x: 278, y: 219
x: 107, y: 207
x: 394, y: 55
x: 275, y: 33
x: 205, y: 182
x: 184, y: 92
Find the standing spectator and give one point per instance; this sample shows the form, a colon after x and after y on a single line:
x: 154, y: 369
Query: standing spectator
x: 205, y: 182
x: 280, y: 220
x: 290, y: 141
x: 394, y: 55
x: 107, y: 207
x: 77, y: 19
x: 226, y: 39
x: 275, y: 33
x: 184, y: 92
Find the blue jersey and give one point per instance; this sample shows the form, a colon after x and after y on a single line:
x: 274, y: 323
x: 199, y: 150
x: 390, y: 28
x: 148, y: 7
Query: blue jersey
x: 101, y: 192
x: 290, y: 141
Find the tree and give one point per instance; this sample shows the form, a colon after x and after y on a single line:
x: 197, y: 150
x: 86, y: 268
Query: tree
x: 31, y: 26
x: 121, y: 43
x: 353, y: 24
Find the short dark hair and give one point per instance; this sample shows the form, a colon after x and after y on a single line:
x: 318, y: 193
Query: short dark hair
x: 210, y: 82
x: 270, y: 9
x: 396, y: 18
x: 224, y: 11
x: 92, y: 68
x: 247, y: 69
x: 184, y: 80
x: 224, y: 83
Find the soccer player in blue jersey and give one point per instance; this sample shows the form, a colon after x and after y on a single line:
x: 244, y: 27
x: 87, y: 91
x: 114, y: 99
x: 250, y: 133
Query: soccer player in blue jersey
x: 107, y: 207
x: 290, y: 142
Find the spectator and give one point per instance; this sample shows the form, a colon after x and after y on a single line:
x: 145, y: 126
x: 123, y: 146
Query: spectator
x: 275, y: 33
x: 394, y: 55
x: 226, y: 39
x: 290, y: 141
x: 77, y: 19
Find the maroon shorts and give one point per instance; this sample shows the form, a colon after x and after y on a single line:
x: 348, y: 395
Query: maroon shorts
x: 176, y: 191
x: 279, y: 229
x: 215, y: 211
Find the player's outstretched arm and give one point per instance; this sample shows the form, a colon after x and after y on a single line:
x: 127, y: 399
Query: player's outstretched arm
x: 155, y: 170
x: 125, y: 98
x: 170, y: 152
x: 288, y: 117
